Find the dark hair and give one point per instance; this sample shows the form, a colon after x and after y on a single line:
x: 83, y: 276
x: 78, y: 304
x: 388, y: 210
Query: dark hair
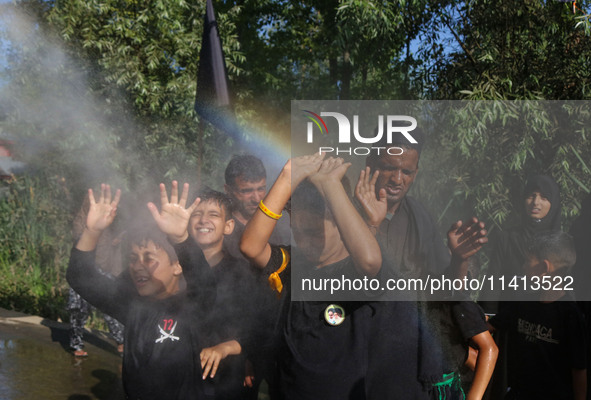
x: 398, y: 140
x: 140, y: 233
x: 221, y: 199
x: 307, y: 198
x: 247, y: 167
x: 557, y: 247
x: 548, y: 187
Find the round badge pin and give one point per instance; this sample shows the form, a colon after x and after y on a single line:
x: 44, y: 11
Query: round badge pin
x: 334, y: 314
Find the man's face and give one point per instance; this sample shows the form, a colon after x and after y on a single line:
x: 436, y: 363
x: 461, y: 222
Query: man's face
x: 208, y: 224
x: 247, y: 195
x: 152, y: 272
x: 397, y: 173
x: 536, y: 205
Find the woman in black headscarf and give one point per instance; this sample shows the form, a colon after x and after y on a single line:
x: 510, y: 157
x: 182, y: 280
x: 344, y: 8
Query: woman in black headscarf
x: 540, y: 212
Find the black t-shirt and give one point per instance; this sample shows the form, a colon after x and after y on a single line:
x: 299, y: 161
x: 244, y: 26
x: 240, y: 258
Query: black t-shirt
x: 546, y: 341
x: 454, y: 324
x: 228, y: 287
x: 163, y: 338
x: 318, y: 360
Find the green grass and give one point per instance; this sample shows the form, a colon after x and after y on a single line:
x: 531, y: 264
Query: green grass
x: 35, y: 240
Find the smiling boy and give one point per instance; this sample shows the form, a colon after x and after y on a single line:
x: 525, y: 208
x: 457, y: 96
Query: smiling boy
x: 164, y: 324
x: 202, y: 230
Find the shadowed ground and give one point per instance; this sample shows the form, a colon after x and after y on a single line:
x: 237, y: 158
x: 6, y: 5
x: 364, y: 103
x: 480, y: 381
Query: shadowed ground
x: 35, y: 362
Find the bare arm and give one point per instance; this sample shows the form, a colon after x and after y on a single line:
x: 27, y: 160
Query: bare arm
x: 580, y: 383
x: 358, y: 239
x: 485, y: 364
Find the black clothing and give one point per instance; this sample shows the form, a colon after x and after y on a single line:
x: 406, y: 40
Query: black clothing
x: 581, y: 233
x: 411, y: 248
x: 509, y: 248
x: 318, y: 360
x: 508, y: 253
x: 411, y: 243
x: 162, y: 337
x: 451, y: 324
x: 546, y: 341
x: 229, y: 285
x: 265, y: 306
x: 393, y: 363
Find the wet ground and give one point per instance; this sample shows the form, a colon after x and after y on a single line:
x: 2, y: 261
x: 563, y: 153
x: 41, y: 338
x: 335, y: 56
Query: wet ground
x: 35, y: 362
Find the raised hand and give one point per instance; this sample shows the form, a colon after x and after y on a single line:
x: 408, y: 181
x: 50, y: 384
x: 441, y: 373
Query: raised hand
x: 102, y: 212
x: 466, y: 239
x: 365, y: 191
x: 304, y: 166
x: 331, y: 170
x: 173, y: 218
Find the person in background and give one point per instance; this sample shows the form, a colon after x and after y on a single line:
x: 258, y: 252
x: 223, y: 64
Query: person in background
x: 246, y: 184
x: 110, y: 263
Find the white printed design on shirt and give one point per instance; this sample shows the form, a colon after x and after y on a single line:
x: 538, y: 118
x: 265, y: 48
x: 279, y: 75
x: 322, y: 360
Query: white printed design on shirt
x: 167, y: 335
x: 533, y: 331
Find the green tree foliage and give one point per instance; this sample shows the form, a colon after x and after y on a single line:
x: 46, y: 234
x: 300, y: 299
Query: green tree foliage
x: 508, y: 50
x: 515, y: 50
x: 103, y: 89
x: 35, y: 242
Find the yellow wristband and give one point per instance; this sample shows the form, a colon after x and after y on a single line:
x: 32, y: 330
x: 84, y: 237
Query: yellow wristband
x: 268, y: 212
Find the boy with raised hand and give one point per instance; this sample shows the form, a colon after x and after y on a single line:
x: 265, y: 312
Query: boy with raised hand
x: 317, y: 360
x: 547, y: 338
x: 163, y: 336
x: 200, y: 229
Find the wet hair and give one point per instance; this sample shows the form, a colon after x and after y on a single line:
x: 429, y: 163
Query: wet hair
x: 247, y: 167
x: 557, y: 247
x: 140, y: 233
x: 398, y: 140
x: 307, y: 198
x: 221, y: 199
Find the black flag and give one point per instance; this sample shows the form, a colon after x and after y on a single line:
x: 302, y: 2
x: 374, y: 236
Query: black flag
x: 212, y: 100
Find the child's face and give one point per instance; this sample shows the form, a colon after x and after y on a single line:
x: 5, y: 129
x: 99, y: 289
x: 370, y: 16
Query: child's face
x: 536, y: 205
x: 317, y: 237
x: 152, y: 272
x: 208, y: 224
